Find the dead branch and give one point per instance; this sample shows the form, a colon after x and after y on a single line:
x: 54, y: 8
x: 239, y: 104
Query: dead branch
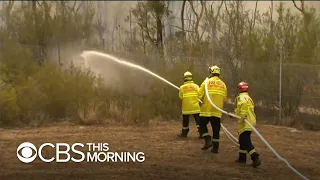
x: 252, y: 22
x: 271, y: 17
x: 40, y: 5
x: 204, y: 28
x: 211, y: 6
x: 213, y: 20
x: 218, y: 13
x: 182, y: 18
x: 9, y: 8
x: 181, y: 28
x: 198, y: 17
x: 74, y: 9
x: 255, y: 15
x: 79, y: 7
x: 74, y: 5
x: 47, y: 8
x: 225, y: 5
x: 301, y: 8
x: 146, y: 29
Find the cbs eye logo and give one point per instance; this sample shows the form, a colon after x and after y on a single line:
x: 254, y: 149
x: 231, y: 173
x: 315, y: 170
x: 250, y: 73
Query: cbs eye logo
x: 26, y: 152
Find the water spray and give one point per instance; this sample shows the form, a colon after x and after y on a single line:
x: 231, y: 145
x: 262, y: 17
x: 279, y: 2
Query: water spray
x: 86, y: 54
x: 256, y: 131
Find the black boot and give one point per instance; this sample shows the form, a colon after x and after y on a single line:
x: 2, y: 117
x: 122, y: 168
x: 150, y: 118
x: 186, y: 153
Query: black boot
x: 208, y: 143
x: 215, y: 147
x: 256, y: 161
x: 242, y: 158
x: 184, y: 133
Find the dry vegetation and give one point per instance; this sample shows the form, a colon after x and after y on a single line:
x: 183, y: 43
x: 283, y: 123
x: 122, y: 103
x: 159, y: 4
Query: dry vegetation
x: 39, y: 88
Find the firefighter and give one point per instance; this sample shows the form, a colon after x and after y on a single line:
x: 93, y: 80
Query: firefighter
x: 188, y: 93
x: 245, y: 109
x: 218, y: 93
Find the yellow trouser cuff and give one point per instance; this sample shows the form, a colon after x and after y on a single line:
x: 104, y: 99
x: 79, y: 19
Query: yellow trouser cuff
x: 205, y: 134
x: 243, y: 151
x: 215, y: 140
x: 252, y: 151
x: 185, y: 127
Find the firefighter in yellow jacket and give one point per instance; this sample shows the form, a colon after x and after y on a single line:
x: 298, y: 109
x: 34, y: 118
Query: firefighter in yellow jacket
x: 245, y: 109
x: 218, y: 93
x: 188, y: 93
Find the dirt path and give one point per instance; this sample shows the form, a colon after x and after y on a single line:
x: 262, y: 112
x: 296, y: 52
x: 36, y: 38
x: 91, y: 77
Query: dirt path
x: 167, y: 157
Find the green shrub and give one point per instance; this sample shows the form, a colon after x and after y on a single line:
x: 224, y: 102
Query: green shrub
x: 10, y: 110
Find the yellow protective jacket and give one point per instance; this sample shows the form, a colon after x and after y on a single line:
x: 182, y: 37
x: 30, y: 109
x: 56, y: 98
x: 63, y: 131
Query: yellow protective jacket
x: 245, y: 109
x: 218, y: 94
x: 188, y: 93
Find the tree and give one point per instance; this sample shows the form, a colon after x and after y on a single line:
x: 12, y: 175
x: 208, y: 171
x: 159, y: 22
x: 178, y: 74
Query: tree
x: 149, y: 16
x: 196, y: 35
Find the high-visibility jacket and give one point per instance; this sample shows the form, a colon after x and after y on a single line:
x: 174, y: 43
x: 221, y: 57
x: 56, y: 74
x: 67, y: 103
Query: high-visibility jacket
x: 218, y: 94
x: 188, y: 93
x: 245, y: 109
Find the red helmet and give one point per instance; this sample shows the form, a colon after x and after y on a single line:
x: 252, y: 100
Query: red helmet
x: 243, y: 86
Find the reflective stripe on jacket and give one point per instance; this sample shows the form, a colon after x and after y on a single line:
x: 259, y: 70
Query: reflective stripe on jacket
x: 245, y: 109
x: 188, y: 93
x: 218, y: 94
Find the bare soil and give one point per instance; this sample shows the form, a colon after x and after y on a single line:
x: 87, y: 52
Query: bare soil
x: 167, y: 156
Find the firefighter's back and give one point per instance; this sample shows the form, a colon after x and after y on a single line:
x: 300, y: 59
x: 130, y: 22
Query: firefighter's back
x: 246, y: 101
x: 218, y: 93
x: 190, y: 102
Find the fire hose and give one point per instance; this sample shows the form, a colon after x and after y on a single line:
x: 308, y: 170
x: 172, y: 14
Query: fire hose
x: 227, y: 132
x: 256, y: 131
x: 229, y: 135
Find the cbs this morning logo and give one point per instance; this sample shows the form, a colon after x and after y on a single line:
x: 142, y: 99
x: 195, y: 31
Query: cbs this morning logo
x: 95, y: 152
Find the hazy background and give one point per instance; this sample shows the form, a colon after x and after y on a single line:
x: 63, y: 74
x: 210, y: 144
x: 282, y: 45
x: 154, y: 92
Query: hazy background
x: 113, y: 13
x: 245, y: 47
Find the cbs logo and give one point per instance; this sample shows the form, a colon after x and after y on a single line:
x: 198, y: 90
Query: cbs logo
x: 26, y: 152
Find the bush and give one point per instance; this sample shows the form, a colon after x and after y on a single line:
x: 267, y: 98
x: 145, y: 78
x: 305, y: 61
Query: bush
x: 9, y: 107
x: 34, y: 91
x: 49, y: 93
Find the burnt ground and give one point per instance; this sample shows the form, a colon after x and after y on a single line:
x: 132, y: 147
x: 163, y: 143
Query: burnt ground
x: 167, y: 157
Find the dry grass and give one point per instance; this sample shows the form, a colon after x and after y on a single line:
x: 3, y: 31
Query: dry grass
x: 123, y: 115
x: 114, y: 114
x: 167, y: 157
x: 89, y: 113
